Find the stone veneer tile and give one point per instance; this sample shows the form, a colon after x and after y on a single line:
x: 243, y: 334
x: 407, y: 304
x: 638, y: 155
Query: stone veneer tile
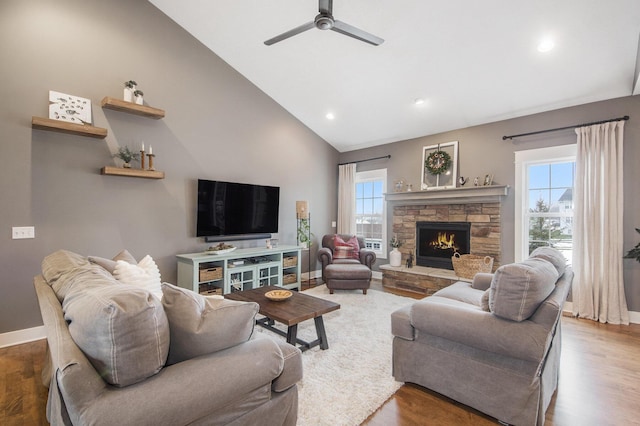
x: 484, y: 218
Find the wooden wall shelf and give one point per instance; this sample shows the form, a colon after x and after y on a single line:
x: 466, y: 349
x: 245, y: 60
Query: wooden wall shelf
x: 139, y: 173
x: 42, y: 123
x: 131, y: 108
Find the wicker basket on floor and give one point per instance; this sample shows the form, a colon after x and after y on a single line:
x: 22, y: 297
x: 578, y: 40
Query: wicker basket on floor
x: 468, y: 265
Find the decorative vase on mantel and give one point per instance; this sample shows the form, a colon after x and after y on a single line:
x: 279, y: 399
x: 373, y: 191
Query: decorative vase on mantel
x: 395, y: 257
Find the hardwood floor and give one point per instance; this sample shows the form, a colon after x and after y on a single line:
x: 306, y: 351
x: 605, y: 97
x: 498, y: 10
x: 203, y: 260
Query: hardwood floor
x: 23, y: 398
x: 599, y: 383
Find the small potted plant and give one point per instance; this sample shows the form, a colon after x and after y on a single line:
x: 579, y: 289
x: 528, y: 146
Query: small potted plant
x: 126, y: 155
x: 138, y: 95
x: 129, y: 89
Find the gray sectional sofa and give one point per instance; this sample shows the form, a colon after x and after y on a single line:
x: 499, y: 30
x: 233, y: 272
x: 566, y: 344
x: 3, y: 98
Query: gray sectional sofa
x: 121, y: 356
x: 493, y: 344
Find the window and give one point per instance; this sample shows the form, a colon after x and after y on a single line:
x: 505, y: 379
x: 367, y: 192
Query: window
x: 544, y: 200
x: 371, y: 212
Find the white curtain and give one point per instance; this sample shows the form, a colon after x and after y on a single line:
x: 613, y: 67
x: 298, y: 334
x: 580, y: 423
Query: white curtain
x: 598, y: 286
x: 347, y: 199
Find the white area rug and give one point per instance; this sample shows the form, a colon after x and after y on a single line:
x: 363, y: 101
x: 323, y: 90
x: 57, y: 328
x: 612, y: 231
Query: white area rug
x: 346, y: 383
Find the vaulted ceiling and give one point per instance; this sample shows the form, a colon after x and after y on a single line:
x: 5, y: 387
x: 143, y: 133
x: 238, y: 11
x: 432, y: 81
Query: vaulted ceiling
x: 470, y: 62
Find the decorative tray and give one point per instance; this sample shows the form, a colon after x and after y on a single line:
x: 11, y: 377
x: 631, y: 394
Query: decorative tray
x: 278, y: 295
x: 220, y: 249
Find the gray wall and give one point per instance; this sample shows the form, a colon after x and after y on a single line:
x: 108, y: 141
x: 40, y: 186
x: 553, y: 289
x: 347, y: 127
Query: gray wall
x: 482, y: 151
x: 217, y: 126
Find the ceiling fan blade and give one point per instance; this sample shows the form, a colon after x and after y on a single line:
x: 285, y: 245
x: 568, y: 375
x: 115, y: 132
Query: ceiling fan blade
x: 325, y: 6
x: 291, y: 33
x: 356, y: 33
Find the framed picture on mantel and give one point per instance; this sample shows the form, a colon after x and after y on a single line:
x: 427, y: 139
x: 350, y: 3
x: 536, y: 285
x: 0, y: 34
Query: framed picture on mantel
x: 440, y: 166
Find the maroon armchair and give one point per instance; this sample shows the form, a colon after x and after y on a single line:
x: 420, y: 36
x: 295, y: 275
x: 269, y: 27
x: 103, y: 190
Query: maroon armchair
x: 326, y: 255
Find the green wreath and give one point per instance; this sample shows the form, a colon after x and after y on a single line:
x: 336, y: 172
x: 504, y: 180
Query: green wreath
x: 437, y: 162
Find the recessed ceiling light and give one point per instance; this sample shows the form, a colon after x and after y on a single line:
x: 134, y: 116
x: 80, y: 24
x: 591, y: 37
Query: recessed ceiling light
x: 330, y: 116
x: 418, y: 101
x: 545, y: 45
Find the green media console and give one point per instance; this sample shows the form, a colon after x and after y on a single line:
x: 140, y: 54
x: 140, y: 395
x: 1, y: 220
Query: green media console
x: 242, y: 269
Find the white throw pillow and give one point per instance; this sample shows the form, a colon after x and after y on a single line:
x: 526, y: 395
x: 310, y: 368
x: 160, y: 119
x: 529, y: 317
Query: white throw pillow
x: 145, y: 275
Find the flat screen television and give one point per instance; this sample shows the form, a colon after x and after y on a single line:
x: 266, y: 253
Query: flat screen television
x: 229, y: 210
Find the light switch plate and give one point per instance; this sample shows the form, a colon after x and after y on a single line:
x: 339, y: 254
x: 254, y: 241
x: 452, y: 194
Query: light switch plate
x: 23, y: 232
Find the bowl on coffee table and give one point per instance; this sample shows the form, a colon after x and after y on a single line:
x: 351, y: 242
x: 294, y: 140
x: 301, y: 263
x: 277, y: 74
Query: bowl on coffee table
x: 278, y: 295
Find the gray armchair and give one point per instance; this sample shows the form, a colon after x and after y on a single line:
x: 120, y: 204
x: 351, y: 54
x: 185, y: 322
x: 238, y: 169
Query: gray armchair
x: 325, y: 254
x: 493, y: 344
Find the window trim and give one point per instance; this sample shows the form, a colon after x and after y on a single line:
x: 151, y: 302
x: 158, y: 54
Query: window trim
x: 523, y: 159
x: 374, y: 175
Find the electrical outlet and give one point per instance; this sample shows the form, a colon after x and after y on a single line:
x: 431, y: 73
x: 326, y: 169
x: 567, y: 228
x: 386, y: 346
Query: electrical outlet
x: 333, y: 224
x: 23, y: 232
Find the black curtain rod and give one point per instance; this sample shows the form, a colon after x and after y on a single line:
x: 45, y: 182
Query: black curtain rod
x: 362, y: 161
x: 625, y: 118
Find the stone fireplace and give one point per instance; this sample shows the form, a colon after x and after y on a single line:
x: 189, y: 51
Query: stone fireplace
x: 438, y: 241
x: 483, y: 220
x: 475, y: 210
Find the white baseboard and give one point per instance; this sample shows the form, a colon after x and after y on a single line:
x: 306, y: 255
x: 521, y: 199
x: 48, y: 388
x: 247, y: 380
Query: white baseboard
x: 634, y: 317
x: 22, y: 336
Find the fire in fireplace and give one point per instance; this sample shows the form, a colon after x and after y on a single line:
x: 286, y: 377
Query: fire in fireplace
x: 436, y: 242
x: 445, y: 241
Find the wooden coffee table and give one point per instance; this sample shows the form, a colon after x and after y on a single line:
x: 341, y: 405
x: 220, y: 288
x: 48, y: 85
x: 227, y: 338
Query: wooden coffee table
x: 299, y: 307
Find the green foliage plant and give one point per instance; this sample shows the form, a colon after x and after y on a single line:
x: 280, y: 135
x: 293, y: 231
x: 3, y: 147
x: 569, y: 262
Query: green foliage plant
x: 305, y: 236
x: 395, y: 242
x: 126, y: 155
x: 634, y: 253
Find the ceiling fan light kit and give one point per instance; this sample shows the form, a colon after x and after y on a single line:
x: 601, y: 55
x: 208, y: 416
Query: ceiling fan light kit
x: 325, y: 21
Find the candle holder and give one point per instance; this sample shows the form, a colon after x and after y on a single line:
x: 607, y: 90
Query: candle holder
x: 142, y: 159
x: 151, y: 161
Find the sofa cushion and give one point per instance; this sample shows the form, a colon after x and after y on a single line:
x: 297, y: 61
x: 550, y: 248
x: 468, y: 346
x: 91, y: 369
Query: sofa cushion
x: 204, y: 324
x: 484, y: 301
x: 518, y: 289
x: 145, y: 275
x: 553, y: 256
x: 64, y: 269
x: 349, y: 249
x: 461, y: 291
x: 481, y: 281
x: 110, y: 264
x: 122, y: 330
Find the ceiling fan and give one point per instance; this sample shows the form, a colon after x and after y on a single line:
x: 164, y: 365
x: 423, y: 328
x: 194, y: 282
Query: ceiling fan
x: 325, y: 21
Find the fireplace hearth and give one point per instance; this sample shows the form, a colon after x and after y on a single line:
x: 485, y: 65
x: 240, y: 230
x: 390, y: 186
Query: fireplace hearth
x: 438, y: 241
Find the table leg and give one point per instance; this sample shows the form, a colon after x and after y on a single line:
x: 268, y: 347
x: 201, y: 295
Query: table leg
x: 292, y: 334
x: 322, y: 335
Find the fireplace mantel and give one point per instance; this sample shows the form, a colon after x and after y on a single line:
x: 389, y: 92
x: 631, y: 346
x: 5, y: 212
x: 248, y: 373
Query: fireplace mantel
x: 466, y: 195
